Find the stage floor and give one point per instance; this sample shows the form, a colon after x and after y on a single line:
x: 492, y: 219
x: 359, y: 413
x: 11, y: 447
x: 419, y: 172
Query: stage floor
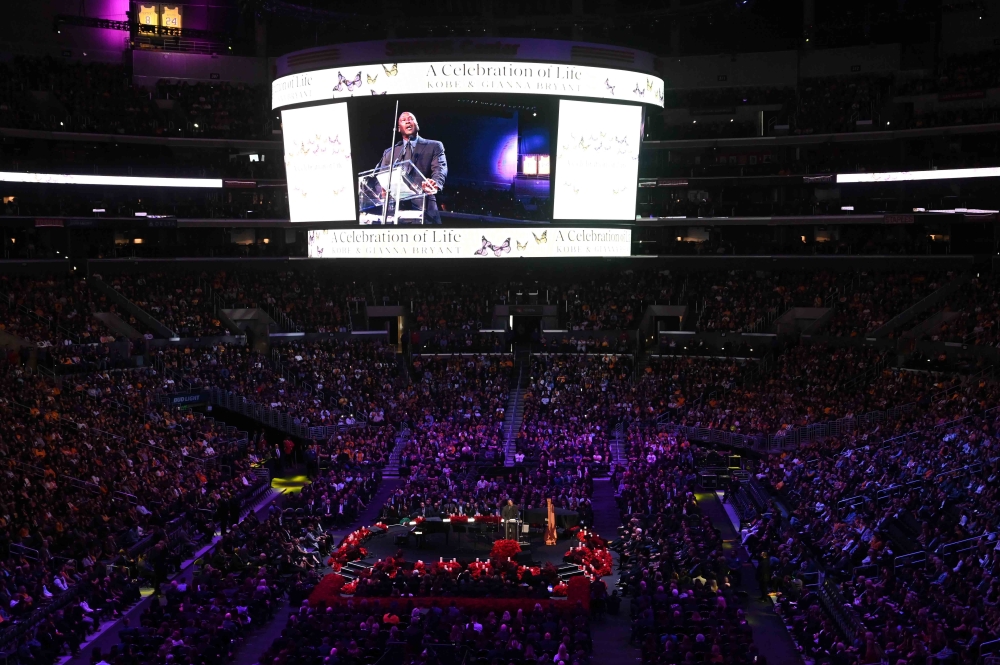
x: 459, y: 546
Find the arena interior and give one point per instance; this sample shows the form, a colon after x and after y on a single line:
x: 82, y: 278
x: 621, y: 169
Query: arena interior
x: 572, y: 332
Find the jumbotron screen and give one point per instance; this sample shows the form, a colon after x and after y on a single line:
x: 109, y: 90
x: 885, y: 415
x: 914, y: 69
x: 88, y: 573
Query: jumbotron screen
x: 479, y: 142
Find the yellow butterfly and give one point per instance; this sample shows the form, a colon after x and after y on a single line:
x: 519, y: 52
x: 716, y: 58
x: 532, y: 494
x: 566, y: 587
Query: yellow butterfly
x: 649, y: 84
x: 371, y: 79
x: 521, y: 247
x: 543, y: 239
x: 338, y: 192
x: 391, y: 71
x: 583, y: 145
x: 304, y: 149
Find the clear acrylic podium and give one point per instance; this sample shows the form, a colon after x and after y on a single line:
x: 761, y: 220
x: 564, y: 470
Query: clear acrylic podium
x: 404, y: 186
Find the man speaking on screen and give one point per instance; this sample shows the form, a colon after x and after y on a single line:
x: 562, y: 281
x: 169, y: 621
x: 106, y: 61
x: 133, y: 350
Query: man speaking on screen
x: 427, y: 157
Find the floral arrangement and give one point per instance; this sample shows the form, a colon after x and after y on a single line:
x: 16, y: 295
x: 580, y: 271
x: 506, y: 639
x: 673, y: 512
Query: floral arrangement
x: 327, y: 589
x: 592, y: 555
x: 560, y: 590
x: 459, y: 519
x: 382, y: 525
x: 350, y: 549
x: 488, y: 519
x: 349, y: 588
x: 504, y: 549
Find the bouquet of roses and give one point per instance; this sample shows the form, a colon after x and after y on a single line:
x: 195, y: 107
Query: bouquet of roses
x: 560, y: 590
x: 480, y: 568
x: 459, y: 519
x: 505, y: 549
x: 350, y: 588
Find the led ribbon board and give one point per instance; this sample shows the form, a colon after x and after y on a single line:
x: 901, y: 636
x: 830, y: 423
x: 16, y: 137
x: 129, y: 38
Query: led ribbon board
x: 475, y: 243
x: 467, y: 77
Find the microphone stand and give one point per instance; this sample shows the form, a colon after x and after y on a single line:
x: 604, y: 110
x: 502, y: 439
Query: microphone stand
x: 392, y: 148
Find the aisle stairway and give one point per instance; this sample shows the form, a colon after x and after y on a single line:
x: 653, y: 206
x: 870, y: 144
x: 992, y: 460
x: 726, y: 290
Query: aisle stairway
x: 514, y: 413
x: 391, y: 469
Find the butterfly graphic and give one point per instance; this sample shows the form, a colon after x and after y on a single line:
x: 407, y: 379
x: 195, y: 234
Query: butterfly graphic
x: 649, y: 84
x: 622, y: 141
x: 391, y: 71
x: 350, y: 83
x: 583, y: 146
x: 335, y: 139
x: 639, y: 91
x: 497, y: 250
x: 521, y: 247
x: 378, y: 93
x: 576, y: 190
x: 541, y: 240
x: 338, y: 191
x: 371, y: 79
x: 618, y: 191
x: 659, y: 94
x: 607, y: 84
x: 303, y: 149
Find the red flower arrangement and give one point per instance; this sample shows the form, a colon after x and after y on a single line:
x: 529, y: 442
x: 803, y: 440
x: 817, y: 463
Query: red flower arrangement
x: 327, y: 589
x: 560, y: 590
x: 592, y: 555
x: 349, y: 588
x: 350, y: 549
x: 596, y: 562
x: 488, y: 519
x: 504, y: 549
x: 381, y: 525
x: 459, y: 519
x: 480, y: 568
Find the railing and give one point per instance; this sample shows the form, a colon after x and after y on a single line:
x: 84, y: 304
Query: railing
x: 279, y: 420
x: 911, y: 559
x: 960, y: 546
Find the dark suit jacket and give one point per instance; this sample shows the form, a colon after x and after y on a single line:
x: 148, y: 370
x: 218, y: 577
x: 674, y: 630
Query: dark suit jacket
x: 428, y: 157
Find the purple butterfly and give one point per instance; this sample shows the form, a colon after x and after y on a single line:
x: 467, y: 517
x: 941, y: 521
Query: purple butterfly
x: 498, y: 250
x: 350, y: 83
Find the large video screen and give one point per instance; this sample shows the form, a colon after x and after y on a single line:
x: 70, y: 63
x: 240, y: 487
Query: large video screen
x: 489, y: 157
x: 597, y: 161
x: 318, y: 164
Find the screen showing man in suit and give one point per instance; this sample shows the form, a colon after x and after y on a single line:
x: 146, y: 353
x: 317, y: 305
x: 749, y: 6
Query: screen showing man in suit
x: 426, y: 158
x: 486, y: 156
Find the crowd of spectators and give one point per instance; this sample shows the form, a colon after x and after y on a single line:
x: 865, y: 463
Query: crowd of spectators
x: 572, y: 402
x: 454, y: 410
x: 94, y: 467
x: 971, y: 314
x: 237, y: 587
x: 685, y: 607
x: 875, y: 298
x: 94, y: 97
x: 53, y: 310
x: 858, y: 504
x: 366, y: 629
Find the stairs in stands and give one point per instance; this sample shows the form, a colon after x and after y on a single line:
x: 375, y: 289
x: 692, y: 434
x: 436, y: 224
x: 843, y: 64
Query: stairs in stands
x: 391, y: 469
x: 617, y: 446
x: 514, y: 413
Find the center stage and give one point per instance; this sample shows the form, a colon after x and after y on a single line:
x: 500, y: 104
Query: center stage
x: 461, y: 543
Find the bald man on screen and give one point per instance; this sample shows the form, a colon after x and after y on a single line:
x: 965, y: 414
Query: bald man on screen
x: 428, y: 158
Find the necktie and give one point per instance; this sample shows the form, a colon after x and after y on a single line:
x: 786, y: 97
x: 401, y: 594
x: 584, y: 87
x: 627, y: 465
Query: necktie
x: 408, y: 151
